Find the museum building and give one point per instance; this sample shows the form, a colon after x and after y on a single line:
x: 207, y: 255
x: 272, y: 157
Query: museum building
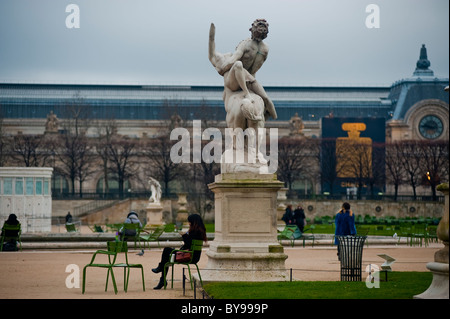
x: 416, y: 107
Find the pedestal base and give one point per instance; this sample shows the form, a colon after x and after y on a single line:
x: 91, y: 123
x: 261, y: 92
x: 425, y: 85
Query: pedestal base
x: 245, y: 247
x: 439, y: 286
x: 263, y: 263
x: 154, y: 214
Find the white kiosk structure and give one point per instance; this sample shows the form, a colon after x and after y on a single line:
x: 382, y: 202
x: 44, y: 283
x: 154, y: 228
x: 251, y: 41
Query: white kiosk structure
x: 26, y: 192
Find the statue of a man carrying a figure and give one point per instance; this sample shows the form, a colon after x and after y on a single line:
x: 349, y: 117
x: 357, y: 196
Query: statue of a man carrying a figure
x: 246, y: 102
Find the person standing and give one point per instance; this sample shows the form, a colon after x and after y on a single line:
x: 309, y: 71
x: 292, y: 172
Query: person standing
x: 345, y: 223
x: 299, y: 216
x: 288, y: 216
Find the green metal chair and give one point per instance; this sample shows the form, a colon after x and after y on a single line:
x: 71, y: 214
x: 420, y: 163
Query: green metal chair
x: 196, y: 245
x: 152, y: 237
x: 96, y: 228
x: 291, y: 233
x: 308, y: 236
x: 114, y: 248
x: 406, y: 230
x: 419, y: 235
x: 71, y: 228
x: 11, y: 233
x: 134, y: 228
x: 432, y: 234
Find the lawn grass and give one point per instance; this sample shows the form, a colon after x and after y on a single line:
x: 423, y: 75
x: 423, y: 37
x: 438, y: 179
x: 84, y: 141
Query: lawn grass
x: 374, y: 230
x: 400, y: 285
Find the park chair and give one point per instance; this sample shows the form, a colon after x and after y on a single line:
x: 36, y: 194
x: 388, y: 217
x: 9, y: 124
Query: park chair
x: 114, y: 248
x: 71, y: 228
x: 96, y: 229
x: 406, y: 230
x: 169, y: 228
x: 152, y: 237
x: 196, y: 245
x: 113, y: 227
x: 11, y: 233
x: 308, y: 236
x: 419, y: 235
x: 136, y: 228
x: 291, y: 233
x: 432, y: 234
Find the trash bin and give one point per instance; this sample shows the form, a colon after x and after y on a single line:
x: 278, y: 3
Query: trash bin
x: 350, y: 256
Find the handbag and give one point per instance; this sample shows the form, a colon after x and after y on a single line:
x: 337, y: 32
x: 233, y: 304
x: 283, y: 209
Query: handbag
x: 182, y: 256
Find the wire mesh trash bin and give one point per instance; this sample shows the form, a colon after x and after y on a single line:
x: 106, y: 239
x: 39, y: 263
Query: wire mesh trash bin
x: 350, y: 256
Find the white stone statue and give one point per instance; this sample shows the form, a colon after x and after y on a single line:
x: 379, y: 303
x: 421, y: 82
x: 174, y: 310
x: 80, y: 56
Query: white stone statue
x: 155, y: 188
x: 246, y: 102
x: 239, y: 68
x: 51, y: 126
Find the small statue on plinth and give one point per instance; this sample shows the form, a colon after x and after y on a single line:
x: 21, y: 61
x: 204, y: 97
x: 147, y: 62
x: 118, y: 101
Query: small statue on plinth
x: 155, y: 188
x: 51, y: 126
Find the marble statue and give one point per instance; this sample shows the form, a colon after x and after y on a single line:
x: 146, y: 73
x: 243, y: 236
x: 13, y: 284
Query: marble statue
x: 239, y: 68
x: 246, y: 102
x: 155, y: 188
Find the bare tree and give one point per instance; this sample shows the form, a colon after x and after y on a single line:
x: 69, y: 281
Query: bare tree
x: 296, y: 157
x: 123, y: 157
x: 411, y: 160
x: 105, y: 132
x: 157, y: 151
x: 72, y: 147
x: 355, y: 162
x: 31, y: 150
x: 394, y: 167
x: 434, y: 163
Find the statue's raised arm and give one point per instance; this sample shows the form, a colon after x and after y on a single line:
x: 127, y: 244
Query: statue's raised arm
x: 221, y: 62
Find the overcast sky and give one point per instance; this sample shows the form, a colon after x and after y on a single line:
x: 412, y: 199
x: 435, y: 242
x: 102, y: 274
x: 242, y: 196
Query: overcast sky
x: 312, y: 42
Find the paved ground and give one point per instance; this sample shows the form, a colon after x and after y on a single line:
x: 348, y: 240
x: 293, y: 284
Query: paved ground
x: 41, y: 274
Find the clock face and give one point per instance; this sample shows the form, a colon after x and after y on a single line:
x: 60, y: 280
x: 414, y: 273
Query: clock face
x: 431, y: 127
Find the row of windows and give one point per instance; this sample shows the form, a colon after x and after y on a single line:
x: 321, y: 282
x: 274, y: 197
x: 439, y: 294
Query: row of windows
x: 24, y: 186
x: 189, y: 111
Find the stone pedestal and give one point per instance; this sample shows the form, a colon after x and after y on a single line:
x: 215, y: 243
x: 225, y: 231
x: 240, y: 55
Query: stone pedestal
x: 439, y: 288
x: 245, y: 247
x: 154, y: 214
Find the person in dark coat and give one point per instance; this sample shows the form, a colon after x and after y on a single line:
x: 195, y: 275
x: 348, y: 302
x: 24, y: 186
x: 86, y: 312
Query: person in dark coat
x: 288, y: 216
x: 196, y: 230
x: 345, y: 223
x: 9, y: 233
x: 132, y: 218
x: 299, y: 216
x: 68, y: 218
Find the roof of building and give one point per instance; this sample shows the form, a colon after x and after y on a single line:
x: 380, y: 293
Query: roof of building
x: 131, y: 101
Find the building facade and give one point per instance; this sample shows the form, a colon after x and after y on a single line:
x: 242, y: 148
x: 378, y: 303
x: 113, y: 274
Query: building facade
x: 415, y: 108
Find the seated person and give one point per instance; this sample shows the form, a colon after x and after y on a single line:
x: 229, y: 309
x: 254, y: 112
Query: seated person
x: 11, y: 234
x: 132, y: 218
x: 196, y: 230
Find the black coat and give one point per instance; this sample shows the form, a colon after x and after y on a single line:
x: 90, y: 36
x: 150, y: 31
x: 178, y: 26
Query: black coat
x: 299, y: 216
x: 187, y: 239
